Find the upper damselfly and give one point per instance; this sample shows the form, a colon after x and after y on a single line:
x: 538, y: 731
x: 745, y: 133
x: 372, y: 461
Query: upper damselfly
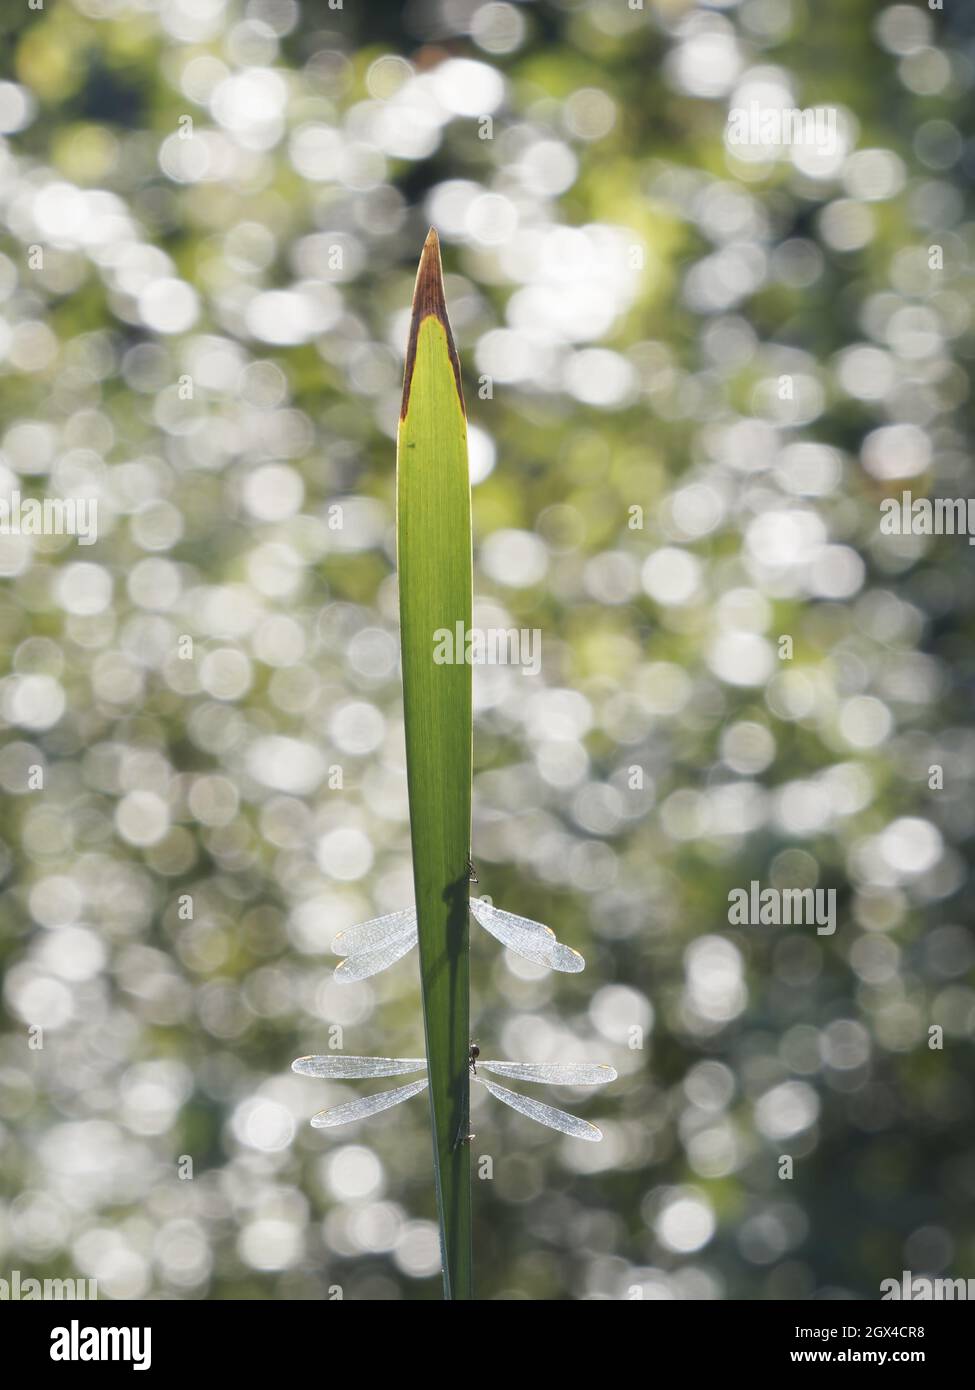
x: 374, y: 946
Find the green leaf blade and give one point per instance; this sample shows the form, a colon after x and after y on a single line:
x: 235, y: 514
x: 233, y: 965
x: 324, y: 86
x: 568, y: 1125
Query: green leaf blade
x: 435, y: 586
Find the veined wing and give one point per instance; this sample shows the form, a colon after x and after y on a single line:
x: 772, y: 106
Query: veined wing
x: 340, y: 1068
x: 553, y: 1073
x: 365, y: 1106
x: 371, y: 936
x: 485, y: 912
x: 527, y: 938
x: 360, y: 967
x: 544, y: 1114
x: 554, y: 956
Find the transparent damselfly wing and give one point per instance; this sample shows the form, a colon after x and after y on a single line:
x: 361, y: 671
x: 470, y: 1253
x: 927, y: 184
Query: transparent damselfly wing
x: 526, y: 938
x: 553, y: 1073
x: 361, y: 967
x: 365, y: 1106
x: 372, y: 936
x: 485, y: 912
x: 374, y: 946
x: 338, y: 1067
x: 543, y: 1114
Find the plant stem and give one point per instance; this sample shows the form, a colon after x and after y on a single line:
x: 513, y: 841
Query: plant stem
x: 435, y: 586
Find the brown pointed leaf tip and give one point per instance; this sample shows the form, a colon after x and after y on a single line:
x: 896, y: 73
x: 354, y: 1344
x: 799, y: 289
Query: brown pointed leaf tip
x: 428, y: 298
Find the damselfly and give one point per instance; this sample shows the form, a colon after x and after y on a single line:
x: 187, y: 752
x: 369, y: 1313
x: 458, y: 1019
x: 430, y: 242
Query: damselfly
x: 375, y: 946
x: 338, y: 1068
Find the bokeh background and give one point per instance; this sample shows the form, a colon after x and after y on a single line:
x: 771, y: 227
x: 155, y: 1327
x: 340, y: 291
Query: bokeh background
x: 230, y: 199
